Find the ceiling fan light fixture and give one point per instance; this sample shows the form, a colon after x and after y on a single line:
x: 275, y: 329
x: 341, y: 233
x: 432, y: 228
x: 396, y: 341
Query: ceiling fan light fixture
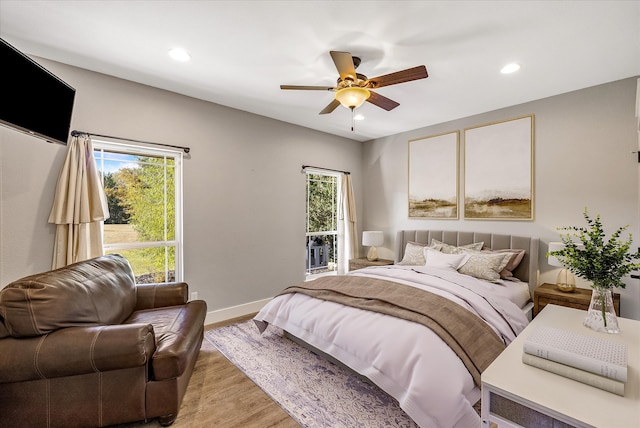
x: 352, y: 97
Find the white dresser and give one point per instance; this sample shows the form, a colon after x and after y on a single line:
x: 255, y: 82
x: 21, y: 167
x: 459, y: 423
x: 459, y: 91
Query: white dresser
x: 518, y: 395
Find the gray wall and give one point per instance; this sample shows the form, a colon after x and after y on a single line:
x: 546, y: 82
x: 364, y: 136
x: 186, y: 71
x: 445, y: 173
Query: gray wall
x: 244, y: 192
x: 583, y: 158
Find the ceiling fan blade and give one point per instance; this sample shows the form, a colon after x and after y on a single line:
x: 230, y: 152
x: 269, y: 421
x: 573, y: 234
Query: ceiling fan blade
x: 344, y: 64
x: 415, y: 73
x: 382, y: 101
x: 308, y: 88
x: 331, y: 107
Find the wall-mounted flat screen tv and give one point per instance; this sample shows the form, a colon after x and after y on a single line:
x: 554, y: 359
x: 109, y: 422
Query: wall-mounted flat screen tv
x: 32, y: 99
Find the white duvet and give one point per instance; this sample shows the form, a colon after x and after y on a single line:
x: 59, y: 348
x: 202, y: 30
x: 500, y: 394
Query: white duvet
x: 405, y: 359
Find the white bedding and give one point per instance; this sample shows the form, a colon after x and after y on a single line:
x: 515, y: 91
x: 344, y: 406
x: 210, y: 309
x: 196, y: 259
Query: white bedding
x: 516, y: 291
x: 406, y: 359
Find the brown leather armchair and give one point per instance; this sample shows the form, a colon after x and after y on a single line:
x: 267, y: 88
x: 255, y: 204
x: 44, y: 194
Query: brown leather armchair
x: 84, y: 346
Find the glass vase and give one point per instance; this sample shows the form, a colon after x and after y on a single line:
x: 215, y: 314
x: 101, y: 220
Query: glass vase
x: 601, y: 315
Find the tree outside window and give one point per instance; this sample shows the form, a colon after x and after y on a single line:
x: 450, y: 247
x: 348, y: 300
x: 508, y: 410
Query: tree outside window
x: 142, y: 191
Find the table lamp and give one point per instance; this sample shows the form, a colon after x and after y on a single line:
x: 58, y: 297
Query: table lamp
x: 566, y: 281
x: 373, y: 239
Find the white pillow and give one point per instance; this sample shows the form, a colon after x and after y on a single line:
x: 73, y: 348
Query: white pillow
x: 440, y: 260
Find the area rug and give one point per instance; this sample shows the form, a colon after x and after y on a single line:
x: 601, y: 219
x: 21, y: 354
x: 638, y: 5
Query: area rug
x: 314, y: 391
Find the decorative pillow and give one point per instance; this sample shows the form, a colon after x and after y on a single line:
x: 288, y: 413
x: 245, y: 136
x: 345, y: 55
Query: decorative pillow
x: 514, y: 261
x: 485, y: 266
x: 435, y: 258
x: 452, y: 249
x: 413, y: 254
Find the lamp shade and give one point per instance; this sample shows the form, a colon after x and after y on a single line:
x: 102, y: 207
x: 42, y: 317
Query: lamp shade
x: 566, y: 281
x: 372, y: 238
x: 553, y: 260
x: 352, y: 97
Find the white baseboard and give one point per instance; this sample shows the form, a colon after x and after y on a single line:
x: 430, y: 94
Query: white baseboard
x: 234, y: 311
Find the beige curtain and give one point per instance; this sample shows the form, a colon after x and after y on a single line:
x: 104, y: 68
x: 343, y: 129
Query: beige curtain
x: 79, y: 206
x: 347, y: 228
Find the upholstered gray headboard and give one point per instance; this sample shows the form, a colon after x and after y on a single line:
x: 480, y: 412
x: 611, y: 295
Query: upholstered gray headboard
x: 527, y: 271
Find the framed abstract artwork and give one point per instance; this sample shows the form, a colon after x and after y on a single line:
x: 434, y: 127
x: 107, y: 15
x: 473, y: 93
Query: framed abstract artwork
x: 433, y: 176
x: 498, y: 172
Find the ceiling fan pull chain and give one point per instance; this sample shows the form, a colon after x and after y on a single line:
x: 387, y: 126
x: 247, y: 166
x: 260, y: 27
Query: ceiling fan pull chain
x: 353, y: 120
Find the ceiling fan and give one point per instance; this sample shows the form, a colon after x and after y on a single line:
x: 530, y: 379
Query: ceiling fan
x: 353, y: 89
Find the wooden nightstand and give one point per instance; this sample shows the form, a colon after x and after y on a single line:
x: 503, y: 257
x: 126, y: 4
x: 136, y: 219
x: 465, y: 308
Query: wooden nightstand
x: 362, y: 262
x: 578, y: 299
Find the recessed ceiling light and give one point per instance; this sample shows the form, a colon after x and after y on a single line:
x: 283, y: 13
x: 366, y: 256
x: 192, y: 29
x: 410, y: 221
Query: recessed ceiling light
x: 358, y: 117
x: 510, y: 68
x: 179, y: 54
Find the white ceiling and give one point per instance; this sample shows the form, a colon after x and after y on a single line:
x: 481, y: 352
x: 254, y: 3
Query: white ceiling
x: 243, y: 50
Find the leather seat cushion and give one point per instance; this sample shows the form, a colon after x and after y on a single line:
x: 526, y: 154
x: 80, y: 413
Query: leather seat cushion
x: 92, y: 292
x: 177, y: 331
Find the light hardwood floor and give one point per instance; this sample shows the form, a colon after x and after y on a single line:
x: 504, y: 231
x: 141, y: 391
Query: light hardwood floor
x: 220, y: 395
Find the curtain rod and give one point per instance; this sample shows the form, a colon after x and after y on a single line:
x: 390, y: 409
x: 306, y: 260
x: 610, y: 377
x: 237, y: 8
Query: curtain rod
x: 75, y: 133
x: 326, y: 169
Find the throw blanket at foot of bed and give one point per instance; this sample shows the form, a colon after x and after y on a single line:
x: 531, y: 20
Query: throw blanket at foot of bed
x: 475, y: 343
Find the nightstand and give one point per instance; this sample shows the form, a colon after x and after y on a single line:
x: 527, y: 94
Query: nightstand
x: 580, y: 298
x: 362, y: 262
x: 515, y: 394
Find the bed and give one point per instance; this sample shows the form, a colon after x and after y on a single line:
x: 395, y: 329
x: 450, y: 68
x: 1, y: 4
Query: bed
x: 419, y: 329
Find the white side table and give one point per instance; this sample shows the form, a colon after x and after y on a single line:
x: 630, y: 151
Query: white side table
x: 518, y: 395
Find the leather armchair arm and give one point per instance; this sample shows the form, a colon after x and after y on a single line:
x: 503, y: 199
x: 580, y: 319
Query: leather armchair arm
x: 163, y: 294
x: 76, y: 350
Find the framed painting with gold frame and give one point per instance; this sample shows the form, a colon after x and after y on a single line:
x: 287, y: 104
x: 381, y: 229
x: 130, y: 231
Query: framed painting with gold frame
x: 498, y: 174
x: 433, y: 176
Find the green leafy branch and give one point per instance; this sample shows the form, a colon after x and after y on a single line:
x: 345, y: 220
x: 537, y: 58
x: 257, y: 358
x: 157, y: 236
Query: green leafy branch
x: 603, y: 262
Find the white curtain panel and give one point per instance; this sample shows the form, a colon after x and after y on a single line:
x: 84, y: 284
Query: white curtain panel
x: 348, y: 223
x: 79, y: 206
